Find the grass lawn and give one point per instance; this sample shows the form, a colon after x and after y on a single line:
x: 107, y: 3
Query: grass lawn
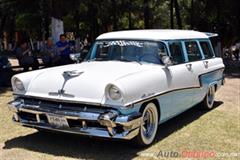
x: 195, y: 131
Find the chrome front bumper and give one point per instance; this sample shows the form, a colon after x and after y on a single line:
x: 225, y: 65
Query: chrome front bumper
x: 106, y: 124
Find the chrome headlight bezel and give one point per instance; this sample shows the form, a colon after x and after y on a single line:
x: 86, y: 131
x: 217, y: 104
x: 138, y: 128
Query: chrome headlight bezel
x: 18, y: 85
x: 114, y: 93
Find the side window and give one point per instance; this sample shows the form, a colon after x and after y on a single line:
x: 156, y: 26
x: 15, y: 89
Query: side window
x: 207, y: 51
x: 176, y: 52
x: 193, y: 51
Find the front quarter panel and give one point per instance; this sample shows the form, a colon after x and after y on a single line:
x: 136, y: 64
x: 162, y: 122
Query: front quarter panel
x: 143, y: 85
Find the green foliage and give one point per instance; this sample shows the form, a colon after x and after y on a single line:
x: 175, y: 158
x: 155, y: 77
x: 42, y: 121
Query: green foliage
x: 23, y: 22
x: 95, y: 17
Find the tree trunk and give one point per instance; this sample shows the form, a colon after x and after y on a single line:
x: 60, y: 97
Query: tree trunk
x: 114, y: 4
x: 192, y: 14
x: 56, y: 8
x: 146, y: 14
x: 129, y: 5
x: 2, y: 24
x: 178, y: 16
x: 76, y: 18
x: 129, y: 20
x: 171, y: 15
x: 92, y: 14
x: 57, y: 28
x: 46, y: 26
x: 56, y: 19
x: 44, y: 13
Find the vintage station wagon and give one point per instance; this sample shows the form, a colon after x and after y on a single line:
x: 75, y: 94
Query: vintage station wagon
x: 129, y: 83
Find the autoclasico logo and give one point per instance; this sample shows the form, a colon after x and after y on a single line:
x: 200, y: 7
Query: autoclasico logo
x: 187, y: 154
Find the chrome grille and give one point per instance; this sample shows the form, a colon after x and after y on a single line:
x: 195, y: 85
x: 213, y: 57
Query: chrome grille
x: 65, y: 106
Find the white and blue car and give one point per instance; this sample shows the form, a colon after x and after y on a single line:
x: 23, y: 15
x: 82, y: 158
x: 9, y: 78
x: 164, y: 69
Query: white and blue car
x: 129, y: 83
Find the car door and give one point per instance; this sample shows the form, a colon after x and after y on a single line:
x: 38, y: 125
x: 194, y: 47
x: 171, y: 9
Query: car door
x: 180, y: 80
x: 198, y: 64
x: 208, y: 64
x: 208, y: 54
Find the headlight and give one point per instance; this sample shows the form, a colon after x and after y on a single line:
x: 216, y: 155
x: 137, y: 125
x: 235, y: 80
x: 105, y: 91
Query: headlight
x: 114, y: 93
x: 18, y: 84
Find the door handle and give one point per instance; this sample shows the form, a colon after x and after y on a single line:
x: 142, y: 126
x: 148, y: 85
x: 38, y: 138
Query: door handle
x: 205, y: 63
x: 189, y: 66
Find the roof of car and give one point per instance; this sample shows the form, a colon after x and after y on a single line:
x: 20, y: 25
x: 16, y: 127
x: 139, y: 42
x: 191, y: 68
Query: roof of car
x: 156, y: 34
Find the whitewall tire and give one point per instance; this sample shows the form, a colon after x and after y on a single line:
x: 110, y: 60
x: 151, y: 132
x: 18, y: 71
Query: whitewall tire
x: 209, y: 98
x: 149, y: 125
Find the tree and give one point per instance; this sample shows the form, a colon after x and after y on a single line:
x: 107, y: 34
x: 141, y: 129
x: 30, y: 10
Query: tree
x: 59, y: 9
x: 44, y: 14
x: 129, y: 11
x: 146, y: 14
x: 192, y: 14
x: 114, y: 11
x: 178, y: 16
x: 171, y: 14
x: 6, y: 13
x: 94, y: 17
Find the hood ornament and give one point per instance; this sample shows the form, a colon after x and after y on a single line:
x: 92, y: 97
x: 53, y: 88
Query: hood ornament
x: 66, y: 75
x: 70, y: 74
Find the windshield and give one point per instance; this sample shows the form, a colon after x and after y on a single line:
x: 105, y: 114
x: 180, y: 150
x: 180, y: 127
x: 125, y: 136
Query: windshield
x: 128, y: 51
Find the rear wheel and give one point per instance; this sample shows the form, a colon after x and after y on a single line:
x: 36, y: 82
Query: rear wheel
x: 148, y: 128
x: 209, y: 99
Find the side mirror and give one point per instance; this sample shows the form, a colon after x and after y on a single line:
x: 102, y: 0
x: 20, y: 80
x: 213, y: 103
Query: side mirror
x: 166, y: 60
x: 75, y: 57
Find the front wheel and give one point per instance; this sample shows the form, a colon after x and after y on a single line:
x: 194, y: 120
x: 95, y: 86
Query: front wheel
x: 210, y: 98
x: 148, y: 128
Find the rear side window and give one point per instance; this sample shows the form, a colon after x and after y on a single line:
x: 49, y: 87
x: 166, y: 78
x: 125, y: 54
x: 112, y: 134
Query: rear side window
x: 193, y: 51
x: 176, y: 52
x: 207, y: 51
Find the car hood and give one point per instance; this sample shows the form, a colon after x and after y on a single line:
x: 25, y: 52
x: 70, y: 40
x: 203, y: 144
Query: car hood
x: 87, y: 82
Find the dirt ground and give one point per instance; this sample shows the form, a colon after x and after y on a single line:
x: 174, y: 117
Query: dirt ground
x: 216, y: 132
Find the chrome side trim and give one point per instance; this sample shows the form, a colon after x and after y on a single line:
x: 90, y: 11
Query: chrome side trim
x: 146, y: 99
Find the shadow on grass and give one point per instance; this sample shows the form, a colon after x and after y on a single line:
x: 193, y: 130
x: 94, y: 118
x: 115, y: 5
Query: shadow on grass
x: 92, y: 148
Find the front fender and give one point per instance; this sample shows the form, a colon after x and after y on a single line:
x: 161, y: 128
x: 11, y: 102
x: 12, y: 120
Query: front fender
x: 141, y: 86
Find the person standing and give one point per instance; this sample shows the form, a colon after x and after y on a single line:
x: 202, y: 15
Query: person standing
x: 64, y: 50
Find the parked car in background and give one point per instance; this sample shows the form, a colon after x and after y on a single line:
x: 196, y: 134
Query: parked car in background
x: 129, y: 83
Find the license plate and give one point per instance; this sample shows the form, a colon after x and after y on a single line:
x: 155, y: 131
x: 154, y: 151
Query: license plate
x: 57, y: 121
